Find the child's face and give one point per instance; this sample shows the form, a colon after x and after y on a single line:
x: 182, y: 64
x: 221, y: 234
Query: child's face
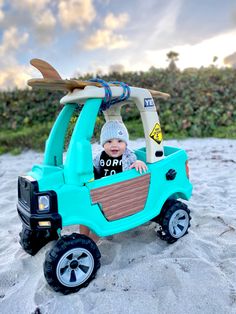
x: 114, y: 147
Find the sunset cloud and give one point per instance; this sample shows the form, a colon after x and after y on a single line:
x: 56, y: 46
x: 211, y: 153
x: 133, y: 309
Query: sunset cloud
x: 44, y: 26
x: 199, y: 54
x: 11, y: 73
x: 1, y: 11
x: 106, y: 37
x: 166, y: 24
x: 11, y: 41
x: 15, y: 76
x: 85, y: 35
x: 33, y: 6
x: 230, y: 60
x: 76, y: 13
x: 37, y: 16
x: 115, y: 22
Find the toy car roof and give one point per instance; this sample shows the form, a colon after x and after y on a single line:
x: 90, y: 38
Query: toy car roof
x: 79, y: 91
x: 53, y: 81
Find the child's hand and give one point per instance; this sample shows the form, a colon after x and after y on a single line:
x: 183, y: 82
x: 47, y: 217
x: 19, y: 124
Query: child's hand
x: 140, y: 166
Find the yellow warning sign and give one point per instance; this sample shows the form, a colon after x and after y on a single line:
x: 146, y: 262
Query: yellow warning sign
x: 156, y: 133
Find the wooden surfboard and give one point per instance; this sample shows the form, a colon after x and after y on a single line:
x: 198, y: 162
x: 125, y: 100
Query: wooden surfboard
x: 52, y: 80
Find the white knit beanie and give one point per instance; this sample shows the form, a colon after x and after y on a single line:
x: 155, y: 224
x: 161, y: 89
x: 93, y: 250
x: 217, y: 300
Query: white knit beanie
x: 114, y: 129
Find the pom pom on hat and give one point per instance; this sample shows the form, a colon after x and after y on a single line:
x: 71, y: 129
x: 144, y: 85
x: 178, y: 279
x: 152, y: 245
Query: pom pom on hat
x: 114, y: 129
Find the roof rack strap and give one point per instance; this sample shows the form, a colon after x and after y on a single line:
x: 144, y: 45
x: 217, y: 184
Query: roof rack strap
x: 108, y: 101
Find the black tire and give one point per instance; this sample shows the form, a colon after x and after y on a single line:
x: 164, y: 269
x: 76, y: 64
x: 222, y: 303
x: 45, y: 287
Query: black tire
x: 159, y: 218
x: 33, y: 241
x: 71, y: 263
x: 174, y: 220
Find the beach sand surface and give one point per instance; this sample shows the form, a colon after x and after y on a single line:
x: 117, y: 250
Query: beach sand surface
x: 140, y: 273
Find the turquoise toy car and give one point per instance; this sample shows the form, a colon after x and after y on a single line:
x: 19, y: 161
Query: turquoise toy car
x: 60, y: 193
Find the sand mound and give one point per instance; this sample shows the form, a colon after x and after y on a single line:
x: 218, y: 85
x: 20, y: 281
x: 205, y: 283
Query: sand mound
x: 140, y: 273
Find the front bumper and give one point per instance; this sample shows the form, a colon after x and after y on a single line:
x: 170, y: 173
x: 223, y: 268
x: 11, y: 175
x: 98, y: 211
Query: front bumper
x: 27, y: 207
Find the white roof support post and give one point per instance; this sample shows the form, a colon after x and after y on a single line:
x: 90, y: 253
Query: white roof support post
x: 113, y: 113
x: 153, y: 136
x: 151, y: 125
x: 145, y: 104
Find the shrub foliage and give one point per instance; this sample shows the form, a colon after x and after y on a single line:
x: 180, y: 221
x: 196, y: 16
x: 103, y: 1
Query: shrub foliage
x: 202, y: 103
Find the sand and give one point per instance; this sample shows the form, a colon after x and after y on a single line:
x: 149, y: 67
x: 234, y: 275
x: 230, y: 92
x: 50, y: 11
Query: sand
x: 140, y: 273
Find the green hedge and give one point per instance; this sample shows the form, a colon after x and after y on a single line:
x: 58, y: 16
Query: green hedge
x: 202, y: 103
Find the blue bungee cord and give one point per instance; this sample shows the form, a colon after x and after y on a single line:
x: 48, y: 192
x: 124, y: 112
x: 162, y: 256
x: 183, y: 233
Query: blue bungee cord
x: 126, y: 92
x: 108, y: 94
x: 108, y: 101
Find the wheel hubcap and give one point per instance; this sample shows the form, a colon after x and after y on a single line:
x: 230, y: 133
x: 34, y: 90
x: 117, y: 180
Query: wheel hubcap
x: 75, y: 267
x: 74, y: 264
x: 179, y: 223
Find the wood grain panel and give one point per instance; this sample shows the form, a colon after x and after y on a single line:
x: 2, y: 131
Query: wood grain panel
x: 122, y: 199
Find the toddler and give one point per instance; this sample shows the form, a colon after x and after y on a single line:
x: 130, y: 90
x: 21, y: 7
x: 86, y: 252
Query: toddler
x: 116, y: 157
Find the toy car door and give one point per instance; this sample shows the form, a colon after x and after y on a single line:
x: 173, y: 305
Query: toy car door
x: 121, y: 198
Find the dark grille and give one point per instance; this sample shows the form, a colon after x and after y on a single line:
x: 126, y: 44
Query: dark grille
x: 24, y: 191
x: 27, y: 207
x: 26, y: 187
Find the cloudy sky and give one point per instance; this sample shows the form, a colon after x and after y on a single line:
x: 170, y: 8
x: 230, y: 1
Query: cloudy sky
x: 80, y: 36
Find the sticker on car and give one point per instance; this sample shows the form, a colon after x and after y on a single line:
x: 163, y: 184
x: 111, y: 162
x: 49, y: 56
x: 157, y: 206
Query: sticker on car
x: 148, y: 103
x: 156, y: 133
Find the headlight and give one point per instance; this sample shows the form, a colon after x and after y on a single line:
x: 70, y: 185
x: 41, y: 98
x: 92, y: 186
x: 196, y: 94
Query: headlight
x: 44, y: 202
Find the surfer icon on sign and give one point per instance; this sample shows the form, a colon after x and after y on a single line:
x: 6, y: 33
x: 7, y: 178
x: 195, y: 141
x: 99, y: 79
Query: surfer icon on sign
x: 156, y: 133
